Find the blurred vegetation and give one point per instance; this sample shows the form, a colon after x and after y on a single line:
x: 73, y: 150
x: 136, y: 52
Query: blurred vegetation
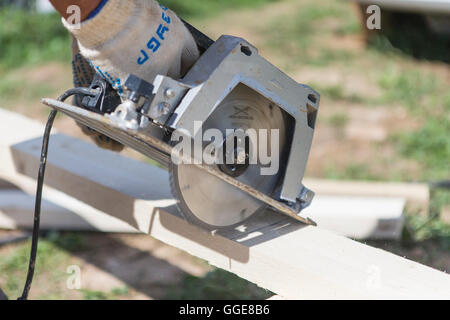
x: 430, y: 146
x: 54, y: 255
x: 351, y: 171
x: 100, y: 295
x: 426, y: 98
x: 50, y: 266
x: 11, y: 88
x: 217, y: 284
x: 206, y: 8
x: 299, y: 38
x: 30, y: 38
x: 431, y: 228
x: 427, y: 235
x: 338, y: 93
x: 303, y: 41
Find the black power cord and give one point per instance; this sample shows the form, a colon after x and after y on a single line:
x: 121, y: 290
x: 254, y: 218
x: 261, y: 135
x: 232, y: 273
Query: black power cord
x: 40, y: 184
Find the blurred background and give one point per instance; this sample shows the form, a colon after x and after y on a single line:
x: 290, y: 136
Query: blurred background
x: 385, y: 116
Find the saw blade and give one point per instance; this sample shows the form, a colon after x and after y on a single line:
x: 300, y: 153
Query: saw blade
x: 213, y: 203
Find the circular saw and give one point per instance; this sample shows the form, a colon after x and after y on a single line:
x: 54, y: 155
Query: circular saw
x: 235, y: 133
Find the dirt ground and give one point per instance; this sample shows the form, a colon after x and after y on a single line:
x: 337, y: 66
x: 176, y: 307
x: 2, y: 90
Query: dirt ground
x: 354, y: 139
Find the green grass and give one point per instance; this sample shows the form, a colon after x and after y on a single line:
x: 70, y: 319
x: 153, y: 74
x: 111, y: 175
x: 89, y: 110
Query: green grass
x: 420, y: 229
x: 300, y: 28
x: 30, y: 38
x: 427, y: 99
x: 297, y: 34
x: 326, y: 57
x: 50, y: 263
x: 217, y: 284
x: 72, y: 242
x: 352, y: 171
x: 338, y: 120
x: 100, y: 295
x: 430, y: 146
x: 350, y: 27
x: 206, y: 8
x: 412, y: 88
x: 52, y: 260
x: 11, y: 89
x: 338, y: 93
x: 314, y: 13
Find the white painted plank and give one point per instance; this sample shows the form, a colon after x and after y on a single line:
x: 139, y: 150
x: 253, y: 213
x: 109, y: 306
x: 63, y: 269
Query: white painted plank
x: 14, y: 237
x: 283, y: 256
x: 5, y: 185
x: 356, y: 217
x: 417, y: 195
x: 17, y: 210
x: 359, y: 217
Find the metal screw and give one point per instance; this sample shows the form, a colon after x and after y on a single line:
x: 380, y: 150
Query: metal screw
x: 170, y: 93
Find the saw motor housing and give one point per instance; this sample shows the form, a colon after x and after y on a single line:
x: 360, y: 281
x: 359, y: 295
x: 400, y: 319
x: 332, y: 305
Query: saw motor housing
x: 229, y: 63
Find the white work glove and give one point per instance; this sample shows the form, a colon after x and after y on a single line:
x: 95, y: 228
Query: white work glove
x: 139, y: 37
x: 83, y: 74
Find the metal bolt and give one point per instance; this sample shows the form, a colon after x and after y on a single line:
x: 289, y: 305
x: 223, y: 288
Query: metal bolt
x: 170, y: 93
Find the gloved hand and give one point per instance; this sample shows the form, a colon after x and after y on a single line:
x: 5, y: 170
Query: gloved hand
x: 138, y: 37
x: 83, y: 74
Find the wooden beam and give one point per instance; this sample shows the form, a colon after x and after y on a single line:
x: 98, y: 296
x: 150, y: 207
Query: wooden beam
x: 354, y: 217
x: 291, y: 260
x: 14, y: 237
x: 17, y: 209
x: 358, y: 217
x: 417, y: 195
x: 5, y: 185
